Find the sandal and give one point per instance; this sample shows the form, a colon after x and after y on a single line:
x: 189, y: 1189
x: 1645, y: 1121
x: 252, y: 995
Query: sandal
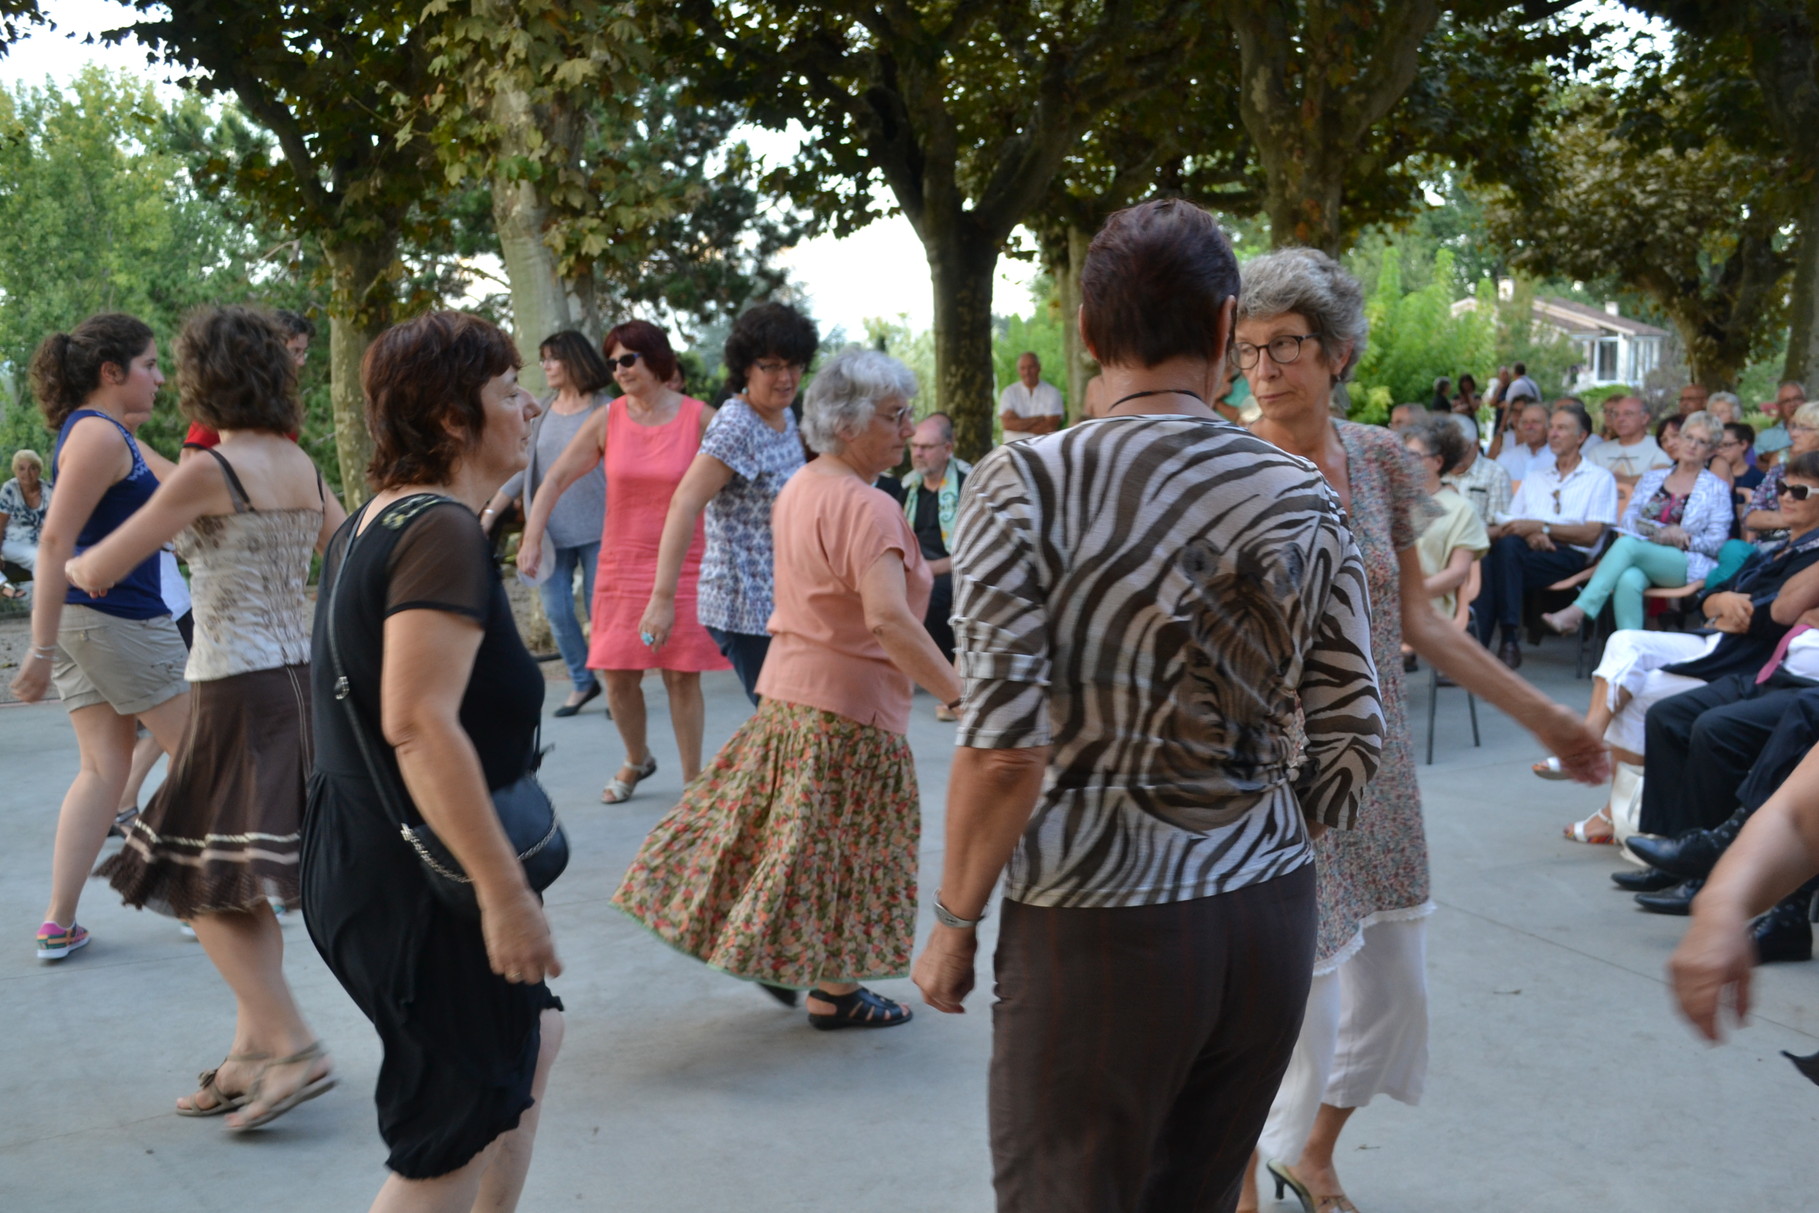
x: 308, y: 1090
x: 782, y: 994
x: 1287, y: 1180
x: 1549, y: 768
x: 860, y: 1009
x: 1578, y: 832
x: 224, y: 1101
x: 9, y: 590
x: 619, y: 791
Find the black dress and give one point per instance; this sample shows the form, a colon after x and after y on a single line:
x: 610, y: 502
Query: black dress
x: 460, y: 1042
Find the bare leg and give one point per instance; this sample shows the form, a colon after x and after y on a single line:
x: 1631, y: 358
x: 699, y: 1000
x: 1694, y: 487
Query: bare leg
x: 105, y: 741
x: 146, y: 752
x: 1249, y: 1200
x: 1315, y: 1168
x: 504, y: 1180
x: 687, y: 716
x: 625, y: 697
x: 247, y: 948
x: 451, y: 1193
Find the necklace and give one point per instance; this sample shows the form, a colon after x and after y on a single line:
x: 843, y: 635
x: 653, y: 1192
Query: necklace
x: 1161, y: 391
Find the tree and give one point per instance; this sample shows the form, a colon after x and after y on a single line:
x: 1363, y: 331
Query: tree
x: 965, y: 112
x: 324, y: 78
x: 1415, y: 337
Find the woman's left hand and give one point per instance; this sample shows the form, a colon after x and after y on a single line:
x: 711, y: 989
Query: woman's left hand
x: 1673, y: 536
x: 944, y: 971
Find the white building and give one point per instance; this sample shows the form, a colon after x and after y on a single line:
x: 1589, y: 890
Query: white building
x: 1612, y: 348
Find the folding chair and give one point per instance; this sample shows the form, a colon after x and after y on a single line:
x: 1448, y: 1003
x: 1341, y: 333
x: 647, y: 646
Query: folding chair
x: 1462, y: 619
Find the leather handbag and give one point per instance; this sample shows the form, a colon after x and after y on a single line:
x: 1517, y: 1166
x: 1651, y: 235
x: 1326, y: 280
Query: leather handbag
x: 525, y: 812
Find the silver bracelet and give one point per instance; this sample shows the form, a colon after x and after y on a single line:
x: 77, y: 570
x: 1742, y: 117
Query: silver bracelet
x: 948, y: 918
x: 46, y: 651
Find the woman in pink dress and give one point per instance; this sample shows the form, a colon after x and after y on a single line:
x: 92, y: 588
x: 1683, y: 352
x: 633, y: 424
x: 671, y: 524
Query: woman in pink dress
x: 647, y: 437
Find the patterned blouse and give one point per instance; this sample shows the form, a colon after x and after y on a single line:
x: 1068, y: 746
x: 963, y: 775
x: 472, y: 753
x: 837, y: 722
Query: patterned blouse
x: 736, y: 573
x: 1705, y: 514
x: 23, y: 523
x: 1153, y: 598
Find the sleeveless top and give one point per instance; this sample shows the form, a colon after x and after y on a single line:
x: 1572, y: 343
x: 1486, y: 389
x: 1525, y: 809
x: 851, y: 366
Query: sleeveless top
x: 247, y: 575
x: 138, y: 594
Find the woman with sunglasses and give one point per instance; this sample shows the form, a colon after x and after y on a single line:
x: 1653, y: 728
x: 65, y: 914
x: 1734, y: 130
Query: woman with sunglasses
x: 1676, y: 522
x: 1762, y: 520
x: 646, y: 440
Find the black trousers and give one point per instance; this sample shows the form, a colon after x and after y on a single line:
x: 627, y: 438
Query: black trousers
x: 1511, y: 569
x: 1701, y: 745
x: 940, y: 611
x: 1135, y: 1051
x: 1795, y: 733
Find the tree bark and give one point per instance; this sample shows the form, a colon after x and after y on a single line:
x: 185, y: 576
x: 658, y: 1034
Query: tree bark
x: 1803, y: 332
x: 360, y: 308
x: 521, y: 214
x: 1080, y: 365
x: 962, y: 268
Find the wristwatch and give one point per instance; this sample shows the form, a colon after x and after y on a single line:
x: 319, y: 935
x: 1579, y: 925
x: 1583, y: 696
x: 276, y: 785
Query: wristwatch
x: 1546, y: 532
x: 948, y: 918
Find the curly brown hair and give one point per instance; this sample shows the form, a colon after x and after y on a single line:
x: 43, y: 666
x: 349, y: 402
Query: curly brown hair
x: 422, y: 381
x: 66, y: 368
x: 234, y: 372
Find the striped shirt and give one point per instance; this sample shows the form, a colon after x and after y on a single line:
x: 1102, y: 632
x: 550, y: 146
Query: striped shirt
x: 1156, y: 599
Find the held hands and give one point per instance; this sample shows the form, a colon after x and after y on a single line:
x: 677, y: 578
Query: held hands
x: 1711, y: 967
x: 659, y: 620
x: 77, y: 572
x: 1729, y: 612
x: 518, y: 943
x: 944, y: 971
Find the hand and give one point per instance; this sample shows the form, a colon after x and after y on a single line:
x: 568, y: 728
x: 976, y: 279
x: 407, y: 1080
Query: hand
x: 1673, y: 536
x: 530, y: 549
x: 1714, y: 957
x: 518, y: 943
x: 1730, y: 612
x: 944, y: 971
x: 1582, y: 753
x: 33, y: 678
x: 77, y: 572
x: 659, y: 620
x: 1538, y: 542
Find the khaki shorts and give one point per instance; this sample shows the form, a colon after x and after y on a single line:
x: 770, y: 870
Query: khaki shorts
x: 132, y: 665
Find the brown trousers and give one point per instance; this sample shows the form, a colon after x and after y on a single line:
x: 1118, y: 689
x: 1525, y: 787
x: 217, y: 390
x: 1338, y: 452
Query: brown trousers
x: 1135, y: 1051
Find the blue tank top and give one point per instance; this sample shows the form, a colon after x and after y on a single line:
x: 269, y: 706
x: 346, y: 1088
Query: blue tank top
x: 138, y: 595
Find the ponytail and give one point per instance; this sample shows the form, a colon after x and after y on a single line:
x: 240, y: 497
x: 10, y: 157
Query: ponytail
x: 66, y: 367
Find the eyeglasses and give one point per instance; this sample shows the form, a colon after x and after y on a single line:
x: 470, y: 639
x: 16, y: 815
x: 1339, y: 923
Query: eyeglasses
x: 1729, y: 442
x: 624, y: 362
x: 1284, y: 350
x: 1803, y: 429
x: 778, y: 368
x: 1686, y: 439
x: 927, y: 446
x: 1799, y: 492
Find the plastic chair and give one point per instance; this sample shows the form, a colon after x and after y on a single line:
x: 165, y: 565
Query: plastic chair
x: 1462, y: 619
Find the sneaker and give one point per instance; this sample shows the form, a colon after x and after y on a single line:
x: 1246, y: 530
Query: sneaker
x: 55, y: 942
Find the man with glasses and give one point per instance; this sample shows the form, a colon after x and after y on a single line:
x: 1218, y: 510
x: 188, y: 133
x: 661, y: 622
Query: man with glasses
x: 1558, y: 515
x: 1693, y: 398
x: 1029, y: 406
x: 1789, y: 396
x: 1634, y: 450
x: 931, y: 500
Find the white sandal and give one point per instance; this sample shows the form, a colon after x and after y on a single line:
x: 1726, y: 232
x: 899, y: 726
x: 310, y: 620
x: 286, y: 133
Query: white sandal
x: 1577, y: 831
x: 1549, y: 768
x: 619, y: 791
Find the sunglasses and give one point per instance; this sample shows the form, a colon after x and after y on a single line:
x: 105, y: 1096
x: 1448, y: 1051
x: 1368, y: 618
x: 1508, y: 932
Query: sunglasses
x: 624, y: 362
x: 1799, y: 492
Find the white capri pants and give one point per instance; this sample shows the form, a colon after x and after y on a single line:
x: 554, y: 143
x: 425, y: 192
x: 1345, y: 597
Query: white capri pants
x: 1632, y: 662
x: 1364, y: 1034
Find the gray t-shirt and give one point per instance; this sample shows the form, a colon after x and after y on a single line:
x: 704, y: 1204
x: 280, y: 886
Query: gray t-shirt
x: 579, y: 513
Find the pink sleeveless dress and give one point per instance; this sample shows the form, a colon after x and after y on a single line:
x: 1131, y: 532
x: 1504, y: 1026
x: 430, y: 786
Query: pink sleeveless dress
x: 644, y: 464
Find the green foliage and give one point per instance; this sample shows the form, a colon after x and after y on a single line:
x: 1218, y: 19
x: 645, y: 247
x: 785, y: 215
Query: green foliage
x: 1039, y: 332
x: 1414, y: 336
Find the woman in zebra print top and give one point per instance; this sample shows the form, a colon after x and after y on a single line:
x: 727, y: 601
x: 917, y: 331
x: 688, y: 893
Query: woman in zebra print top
x: 1301, y: 330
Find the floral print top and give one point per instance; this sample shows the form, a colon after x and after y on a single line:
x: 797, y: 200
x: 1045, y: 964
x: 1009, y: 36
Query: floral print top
x: 736, y: 571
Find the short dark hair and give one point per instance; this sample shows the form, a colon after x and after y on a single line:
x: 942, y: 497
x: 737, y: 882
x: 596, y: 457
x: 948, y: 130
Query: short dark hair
x: 422, y: 381
x: 1662, y: 426
x: 1579, y: 418
x: 766, y: 331
x: 586, y: 370
x: 1521, y: 368
x: 1155, y: 284
x: 643, y: 337
x: 1441, y: 437
x: 1805, y: 466
x: 1742, y: 432
x: 1467, y: 379
x: 295, y: 324
x: 66, y: 367
x: 234, y: 372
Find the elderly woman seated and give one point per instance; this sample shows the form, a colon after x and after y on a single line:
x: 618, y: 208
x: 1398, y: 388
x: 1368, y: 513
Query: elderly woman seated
x: 1677, y: 520
x: 1455, y: 540
x: 1639, y: 668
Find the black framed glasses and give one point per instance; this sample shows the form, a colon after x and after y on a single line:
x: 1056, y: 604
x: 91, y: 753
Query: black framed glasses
x: 1284, y: 350
x: 624, y: 362
x: 1799, y: 492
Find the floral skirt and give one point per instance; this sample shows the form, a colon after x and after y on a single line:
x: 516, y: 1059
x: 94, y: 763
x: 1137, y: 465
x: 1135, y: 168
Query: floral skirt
x: 792, y: 857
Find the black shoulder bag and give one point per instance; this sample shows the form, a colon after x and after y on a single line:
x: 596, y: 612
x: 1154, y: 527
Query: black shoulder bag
x: 524, y: 808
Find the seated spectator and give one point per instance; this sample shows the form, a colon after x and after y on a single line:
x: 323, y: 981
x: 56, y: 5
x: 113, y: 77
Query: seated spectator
x: 24, y: 500
x: 1456, y: 538
x: 1692, y: 399
x: 1593, y: 438
x: 1738, y: 453
x: 1405, y: 415
x: 1725, y: 407
x: 931, y: 500
x: 1677, y: 520
x: 1762, y: 519
x: 1632, y: 452
x: 1558, y: 514
x: 1789, y: 396
x: 1481, y: 481
x: 1522, y: 445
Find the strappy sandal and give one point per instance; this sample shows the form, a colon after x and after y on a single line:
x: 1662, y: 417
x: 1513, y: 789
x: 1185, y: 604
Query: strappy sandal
x: 320, y: 1085
x: 1549, y: 768
x: 1577, y: 832
x: 860, y: 1009
x: 619, y: 791
x: 224, y: 1101
x: 1286, y: 1179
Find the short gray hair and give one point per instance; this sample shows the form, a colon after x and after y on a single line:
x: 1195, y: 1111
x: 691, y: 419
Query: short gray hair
x: 1311, y: 284
x: 1729, y: 398
x: 1702, y: 420
x: 1467, y: 426
x: 845, y: 393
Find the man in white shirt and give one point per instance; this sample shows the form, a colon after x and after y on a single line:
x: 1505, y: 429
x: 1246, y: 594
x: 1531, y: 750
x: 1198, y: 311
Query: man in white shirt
x: 1522, y: 446
x: 1634, y: 450
x: 1556, y: 517
x: 1483, y: 483
x: 1029, y: 406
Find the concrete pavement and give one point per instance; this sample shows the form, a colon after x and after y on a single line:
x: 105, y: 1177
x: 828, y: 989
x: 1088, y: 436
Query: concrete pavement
x: 1561, y: 1079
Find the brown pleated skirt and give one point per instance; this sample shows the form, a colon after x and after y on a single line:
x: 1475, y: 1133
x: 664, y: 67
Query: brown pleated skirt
x: 223, y: 832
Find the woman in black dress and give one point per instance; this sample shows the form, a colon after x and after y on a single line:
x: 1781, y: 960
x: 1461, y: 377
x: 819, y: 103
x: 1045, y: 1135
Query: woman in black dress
x: 448, y: 700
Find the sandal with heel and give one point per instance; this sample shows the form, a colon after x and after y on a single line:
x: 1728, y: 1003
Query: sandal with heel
x: 619, y: 790
x: 1288, y: 1181
x: 1580, y: 831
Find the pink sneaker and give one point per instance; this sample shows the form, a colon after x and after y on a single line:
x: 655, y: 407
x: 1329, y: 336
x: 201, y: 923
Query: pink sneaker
x: 55, y: 942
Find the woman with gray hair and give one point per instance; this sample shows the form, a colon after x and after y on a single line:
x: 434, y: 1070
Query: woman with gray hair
x: 1301, y: 331
x: 24, y: 501
x: 791, y: 861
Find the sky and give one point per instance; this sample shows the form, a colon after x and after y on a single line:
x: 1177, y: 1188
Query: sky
x: 879, y: 272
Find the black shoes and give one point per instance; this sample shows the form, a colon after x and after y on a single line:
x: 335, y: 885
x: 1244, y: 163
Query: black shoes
x: 587, y: 697
x: 1677, y: 900
x: 1692, y: 854
x: 1510, y: 653
x: 1644, y: 880
x: 1785, y: 933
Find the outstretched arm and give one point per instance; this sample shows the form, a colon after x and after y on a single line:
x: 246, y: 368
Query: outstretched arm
x: 584, y: 450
